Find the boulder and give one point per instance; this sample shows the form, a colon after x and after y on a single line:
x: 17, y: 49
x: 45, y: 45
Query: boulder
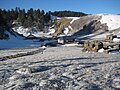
x: 92, y: 46
x: 110, y: 37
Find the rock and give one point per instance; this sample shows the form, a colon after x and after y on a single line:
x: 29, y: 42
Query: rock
x: 92, y: 46
x: 110, y: 37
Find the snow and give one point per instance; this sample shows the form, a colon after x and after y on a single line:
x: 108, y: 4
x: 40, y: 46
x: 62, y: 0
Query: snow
x: 51, y: 31
x: 22, y: 31
x: 14, y: 42
x: 66, y: 31
x: 72, y: 44
x: 44, y: 47
x: 116, y: 40
x: 73, y: 19
x: 101, y: 50
x: 114, y: 52
x: 70, y: 27
x: 68, y: 68
x: 112, y: 21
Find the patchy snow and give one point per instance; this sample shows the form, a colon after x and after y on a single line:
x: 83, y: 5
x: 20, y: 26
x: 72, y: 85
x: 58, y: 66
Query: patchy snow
x: 112, y: 21
x: 22, y: 31
x: 70, y: 27
x: 73, y: 19
x: 72, y: 44
x: 51, y: 31
x: 66, y: 31
x: 101, y: 50
x: 116, y: 40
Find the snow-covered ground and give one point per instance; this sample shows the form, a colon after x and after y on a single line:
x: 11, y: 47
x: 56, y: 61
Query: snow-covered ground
x: 61, y: 68
x: 17, y: 42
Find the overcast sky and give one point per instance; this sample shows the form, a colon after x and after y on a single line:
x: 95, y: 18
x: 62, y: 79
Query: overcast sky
x: 87, y: 6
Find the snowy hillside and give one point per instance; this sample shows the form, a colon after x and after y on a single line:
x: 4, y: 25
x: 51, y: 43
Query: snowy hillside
x: 90, y: 24
x: 112, y: 21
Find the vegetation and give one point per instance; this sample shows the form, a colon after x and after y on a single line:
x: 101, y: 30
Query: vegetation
x: 67, y: 14
x: 31, y: 18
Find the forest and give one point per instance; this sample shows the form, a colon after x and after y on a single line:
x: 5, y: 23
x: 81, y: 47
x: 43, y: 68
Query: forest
x: 31, y: 18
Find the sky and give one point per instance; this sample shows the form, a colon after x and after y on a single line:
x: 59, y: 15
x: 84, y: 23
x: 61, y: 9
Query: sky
x: 86, y: 6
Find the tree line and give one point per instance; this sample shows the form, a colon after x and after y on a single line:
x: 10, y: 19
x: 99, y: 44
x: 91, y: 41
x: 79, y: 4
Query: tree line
x: 68, y: 14
x: 31, y: 18
x: 26, y: 19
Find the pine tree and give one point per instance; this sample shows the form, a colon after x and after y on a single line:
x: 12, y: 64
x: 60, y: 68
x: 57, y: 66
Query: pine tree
x: 21, y: 16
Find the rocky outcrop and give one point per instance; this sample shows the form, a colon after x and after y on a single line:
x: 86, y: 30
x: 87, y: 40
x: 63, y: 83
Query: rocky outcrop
x: 60, y: 25
x: 83, y: 26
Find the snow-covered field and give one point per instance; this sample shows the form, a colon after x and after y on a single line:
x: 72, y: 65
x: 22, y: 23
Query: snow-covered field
x: 61, y: 68
x: 17, y: 42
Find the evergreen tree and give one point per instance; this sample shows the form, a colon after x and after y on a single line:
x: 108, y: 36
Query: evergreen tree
x: 21, y: 16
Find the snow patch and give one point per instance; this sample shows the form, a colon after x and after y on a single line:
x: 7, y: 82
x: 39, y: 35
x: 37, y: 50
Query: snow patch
x: 51, y: 31
x: 21, y: 30
x: 73, y: 19
x: 66, y: 31
x: 73, y: 44
x: 70, y: 27
x: 101, y: 50
x: 116, y: 40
